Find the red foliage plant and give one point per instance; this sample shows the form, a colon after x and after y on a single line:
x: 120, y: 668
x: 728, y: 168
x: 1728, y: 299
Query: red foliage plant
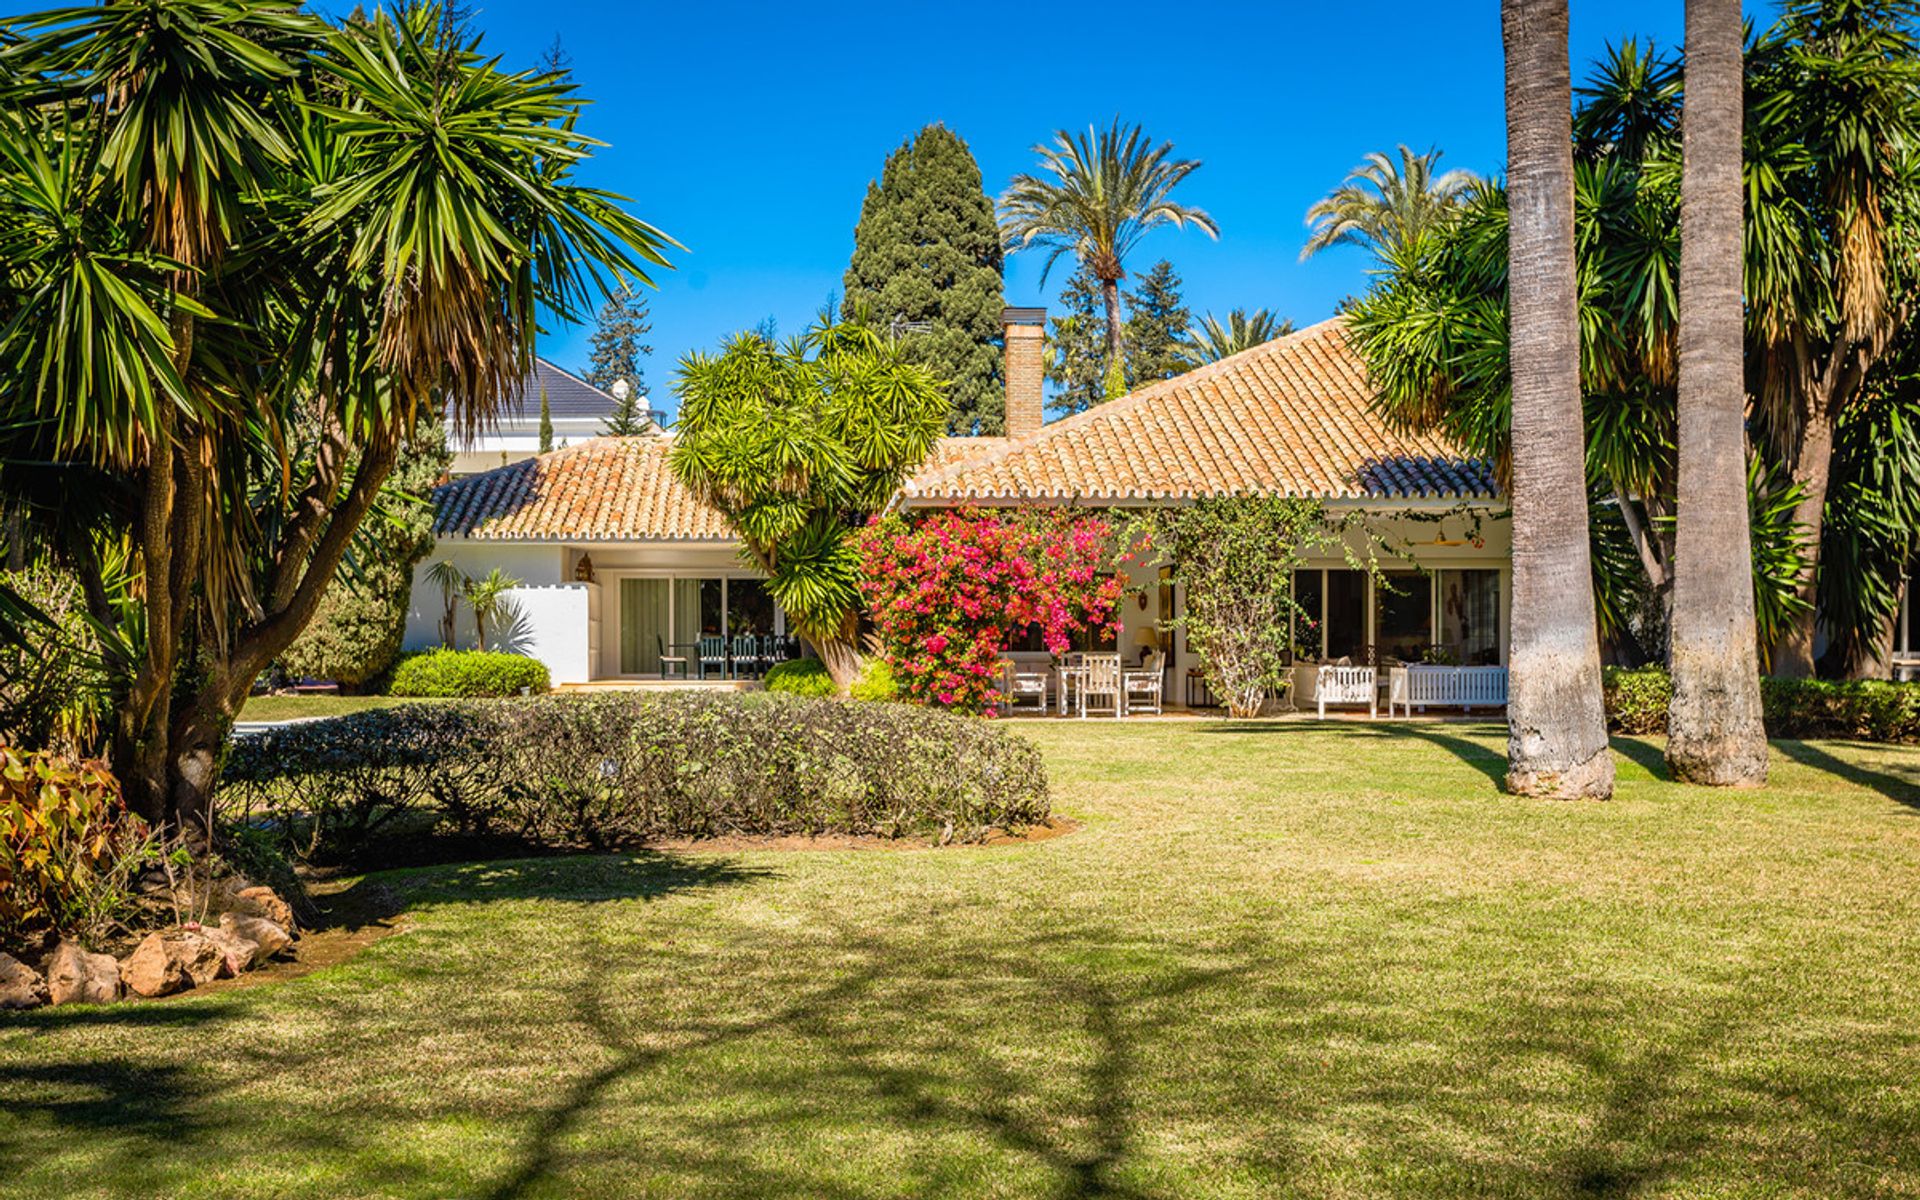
x: 946, y: 590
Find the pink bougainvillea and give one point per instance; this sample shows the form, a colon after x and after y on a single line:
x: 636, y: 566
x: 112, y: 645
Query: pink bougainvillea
x: 947, y: 590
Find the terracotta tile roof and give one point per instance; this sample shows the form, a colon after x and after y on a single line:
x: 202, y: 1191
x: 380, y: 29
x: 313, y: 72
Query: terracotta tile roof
x: 1293, y: 416
x: 605, y: 489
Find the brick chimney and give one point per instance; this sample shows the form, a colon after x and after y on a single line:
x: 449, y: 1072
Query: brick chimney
x: 1026, y: 333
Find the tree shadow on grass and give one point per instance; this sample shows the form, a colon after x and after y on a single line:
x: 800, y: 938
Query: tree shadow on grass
x: 642, y: 875
x: 1082, y: 1152
x: 1901, y: 787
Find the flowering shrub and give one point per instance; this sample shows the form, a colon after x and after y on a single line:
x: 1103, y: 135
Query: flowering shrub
x: 946, y: 590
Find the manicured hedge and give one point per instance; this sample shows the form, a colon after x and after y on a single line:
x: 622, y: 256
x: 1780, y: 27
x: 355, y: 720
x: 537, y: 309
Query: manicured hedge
x: 1869, y: 710
x: 609, y: 769
x: 455, y: 673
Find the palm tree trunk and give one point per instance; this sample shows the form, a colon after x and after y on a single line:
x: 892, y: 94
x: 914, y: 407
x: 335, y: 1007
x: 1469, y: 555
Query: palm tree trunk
x: 1116, y: 384
x: 1557, y: 733
x: 1715, y: 731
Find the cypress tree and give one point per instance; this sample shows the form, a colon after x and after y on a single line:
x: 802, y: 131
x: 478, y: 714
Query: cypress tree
x: 1157, y: 322
x: 1077, y: 346
x: 546, y: 421
x: 927, y: 252
x: 618, y: 342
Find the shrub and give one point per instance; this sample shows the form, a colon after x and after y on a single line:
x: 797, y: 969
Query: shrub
x: 69, y: 850
x: 801, y: 677
x: 449, y: 673
x: 876, y: 682
x: 1869, y: 710
x: 1637, y: 700
x: 616, y: 768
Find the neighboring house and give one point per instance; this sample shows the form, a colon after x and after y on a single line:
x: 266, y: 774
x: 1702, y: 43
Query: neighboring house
x: 620, y: 562
x: 578, y: 409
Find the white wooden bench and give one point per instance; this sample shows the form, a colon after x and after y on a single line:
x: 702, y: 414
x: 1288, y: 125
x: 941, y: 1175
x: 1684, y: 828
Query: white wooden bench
x: 1465, y: 688
x: 1347, y: 685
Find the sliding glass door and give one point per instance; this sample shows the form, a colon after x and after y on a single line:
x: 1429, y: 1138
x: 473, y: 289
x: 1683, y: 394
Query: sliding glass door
x: 669, y: 616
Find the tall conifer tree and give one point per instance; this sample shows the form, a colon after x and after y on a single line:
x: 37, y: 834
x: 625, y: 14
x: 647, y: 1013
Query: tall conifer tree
x: 1157, y: 324
x: 619, y: 343
x: 927, y: 261
x: 1077, y: 346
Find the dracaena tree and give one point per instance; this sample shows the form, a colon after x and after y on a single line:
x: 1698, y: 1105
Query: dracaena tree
x: 242, y: 252
x: 797, y: 445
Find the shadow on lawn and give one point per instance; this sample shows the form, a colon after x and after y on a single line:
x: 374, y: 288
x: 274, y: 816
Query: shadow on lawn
x: 1902, y: 787
x: 1082, y: 1147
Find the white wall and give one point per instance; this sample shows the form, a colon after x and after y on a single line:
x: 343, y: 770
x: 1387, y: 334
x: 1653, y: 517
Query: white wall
x: 555, y: 624
x: 533, y: 564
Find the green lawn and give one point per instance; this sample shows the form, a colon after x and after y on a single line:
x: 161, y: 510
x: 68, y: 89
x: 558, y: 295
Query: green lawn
x: 1278, y: 960
x: 289, y: 708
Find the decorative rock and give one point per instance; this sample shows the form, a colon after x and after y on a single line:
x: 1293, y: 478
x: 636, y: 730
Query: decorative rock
x: 151, y: 970
x: 240, y: 952
x: 265, y: 903
x: 20, y: 985
x: 75, y: 975
x: 269, y: 936
x: 167, y: 962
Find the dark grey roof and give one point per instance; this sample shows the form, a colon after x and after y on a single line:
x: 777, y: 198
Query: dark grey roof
x: 568, y: 395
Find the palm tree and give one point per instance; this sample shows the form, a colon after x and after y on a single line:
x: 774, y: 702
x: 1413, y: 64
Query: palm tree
x: 1557, y: 732
x: 1211, y: 341
x: 452, y: 583
x: 1715, y: 732
x: 487, y: 597
x: 1383, y: 204
x: 1097, y: 195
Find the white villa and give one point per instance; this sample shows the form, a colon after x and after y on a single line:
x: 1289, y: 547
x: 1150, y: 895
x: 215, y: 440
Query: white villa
x: 578, y: 409
x: 621, y: 566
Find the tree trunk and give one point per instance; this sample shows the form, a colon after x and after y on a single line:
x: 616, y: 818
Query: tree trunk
x: 840, y: 654
x: 1812, y: 464
x: 1715, y: 731
x: 1116, y: 382
x: 1557, y: 733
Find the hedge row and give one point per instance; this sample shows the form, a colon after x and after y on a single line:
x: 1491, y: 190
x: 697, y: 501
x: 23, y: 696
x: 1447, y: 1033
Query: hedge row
x: 609, y: 769
x: 452, y: 673
x: 1868, y: 710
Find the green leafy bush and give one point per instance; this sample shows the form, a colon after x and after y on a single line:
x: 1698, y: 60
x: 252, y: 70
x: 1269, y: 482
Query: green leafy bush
x: 616, y: 768
x: 1869, y: 710
x: 807, y: 677
x: 1637, y: 700
x: 876, y: 682
x: 446, y: 673
x: 801, y: 677
x: 69, y: 850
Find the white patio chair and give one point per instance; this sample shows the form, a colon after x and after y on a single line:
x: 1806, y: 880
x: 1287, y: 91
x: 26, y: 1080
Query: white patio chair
x: 1140, y: 689
x: 1019, y: 682
x: 1102, y: 679
x: 1347, y: 685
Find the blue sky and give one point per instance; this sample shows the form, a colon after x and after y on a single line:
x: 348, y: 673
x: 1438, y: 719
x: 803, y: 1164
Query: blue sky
x: 749, y: 131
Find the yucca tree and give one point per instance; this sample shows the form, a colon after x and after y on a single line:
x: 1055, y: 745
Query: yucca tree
x: 797, y: 445
x: 1557, y: 729
x: 1095, y: 196
x: 1433, y: 328
x: 1213, y: 339
x: 242, y: 251
x: 1387, y: 203
x: 1715, y: 734
x: 487, y: 597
